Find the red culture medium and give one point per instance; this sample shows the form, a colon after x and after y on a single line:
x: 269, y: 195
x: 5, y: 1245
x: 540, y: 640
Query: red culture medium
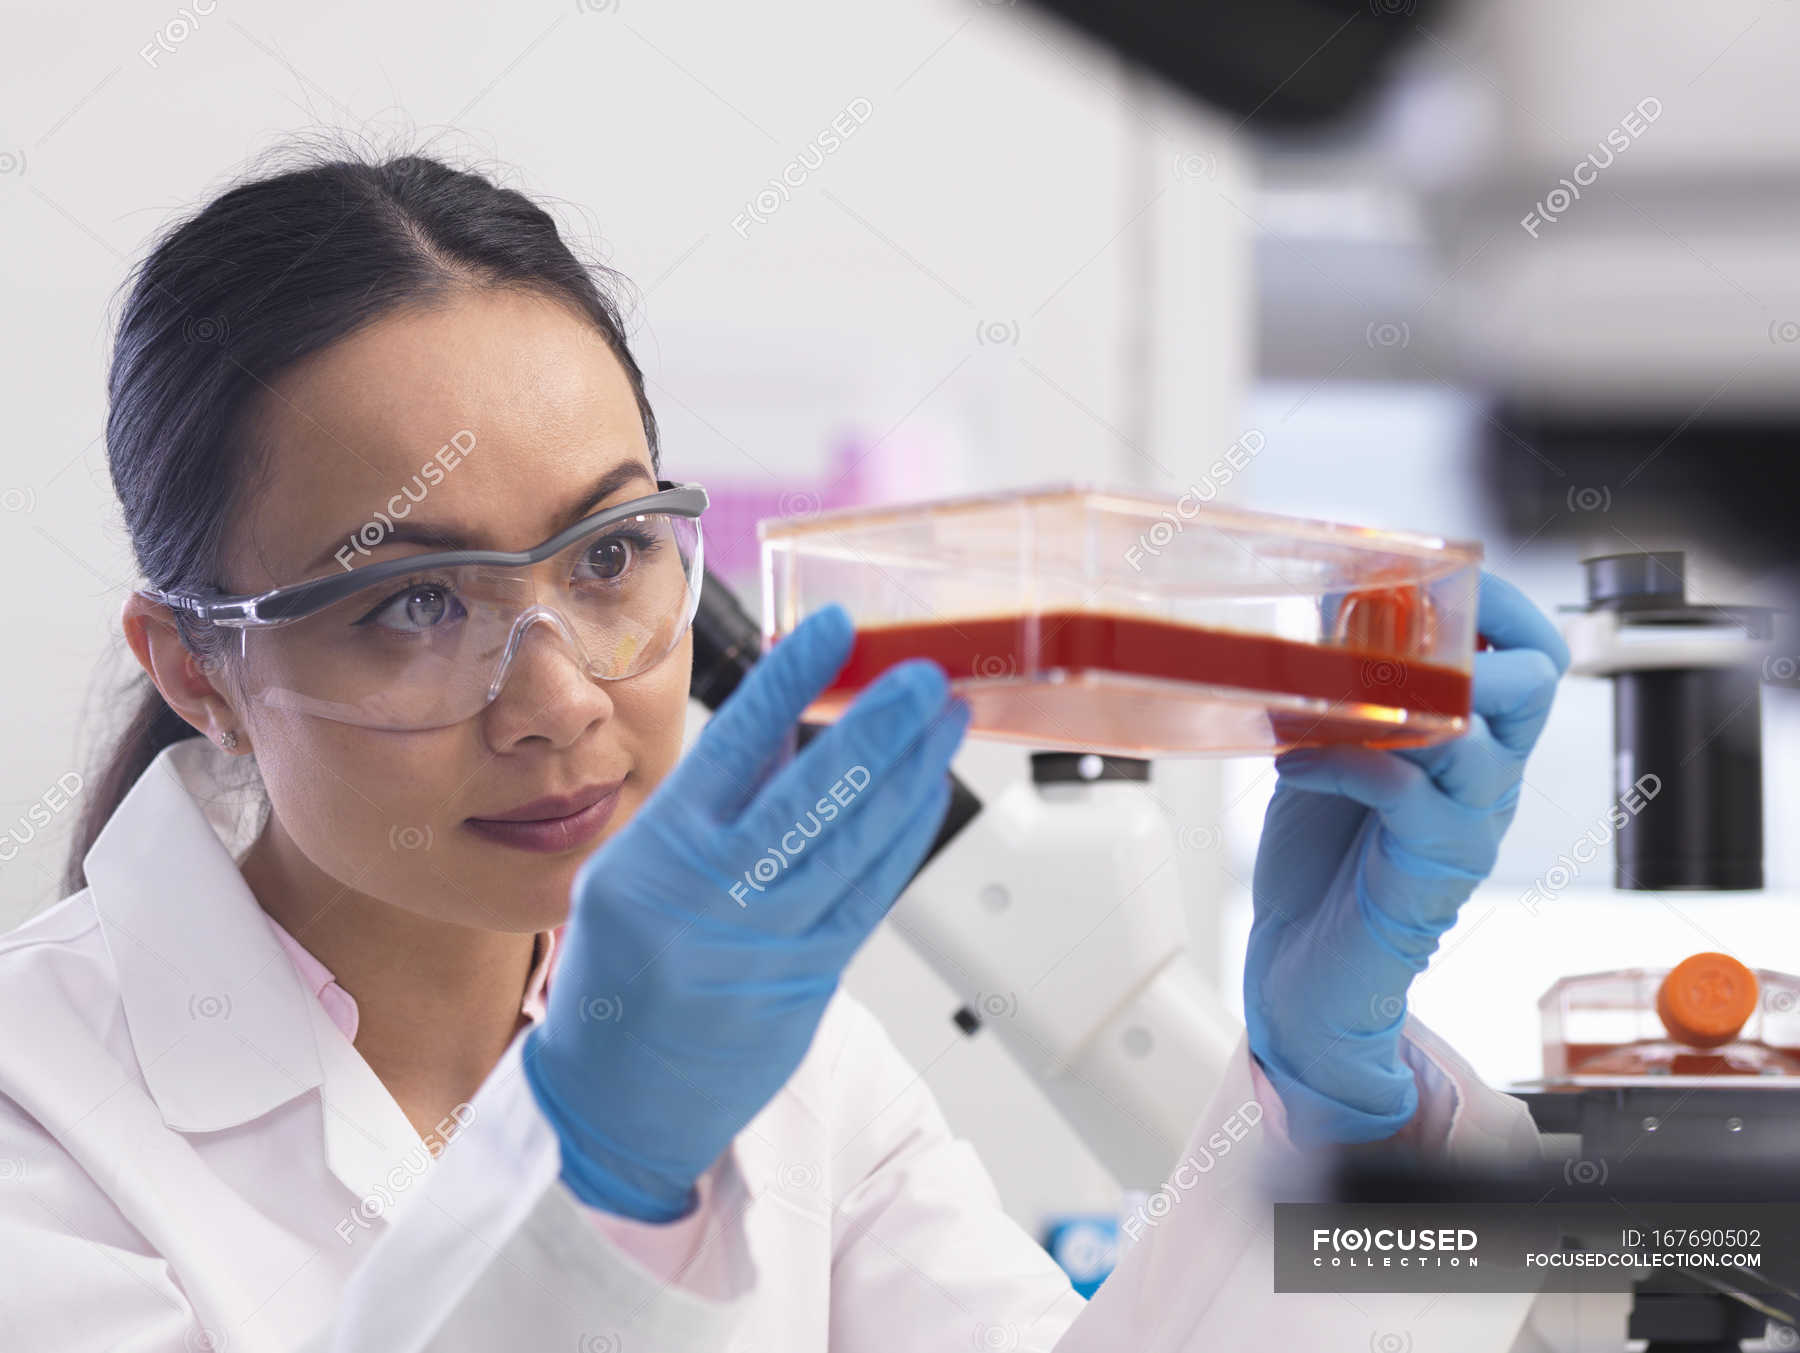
x: 1023, y: 645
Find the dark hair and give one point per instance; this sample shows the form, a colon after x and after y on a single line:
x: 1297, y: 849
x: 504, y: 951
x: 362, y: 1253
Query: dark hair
x: 274, y: 269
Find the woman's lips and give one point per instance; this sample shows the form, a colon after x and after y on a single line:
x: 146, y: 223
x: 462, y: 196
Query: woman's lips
x: 550, y: 835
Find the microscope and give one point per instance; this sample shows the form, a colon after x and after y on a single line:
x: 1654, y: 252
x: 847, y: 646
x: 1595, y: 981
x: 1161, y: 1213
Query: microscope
x: 1654, y: 1119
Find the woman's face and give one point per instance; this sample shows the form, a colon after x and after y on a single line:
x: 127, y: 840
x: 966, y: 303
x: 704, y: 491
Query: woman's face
x: 396, y: 815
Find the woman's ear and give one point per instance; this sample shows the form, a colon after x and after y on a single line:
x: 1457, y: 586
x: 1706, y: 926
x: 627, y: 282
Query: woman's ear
x: 188, y: 685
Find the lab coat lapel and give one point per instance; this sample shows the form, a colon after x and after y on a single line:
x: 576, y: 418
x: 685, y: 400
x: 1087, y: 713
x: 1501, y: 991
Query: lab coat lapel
x: 216, y: 1011
x: 223, y: 1028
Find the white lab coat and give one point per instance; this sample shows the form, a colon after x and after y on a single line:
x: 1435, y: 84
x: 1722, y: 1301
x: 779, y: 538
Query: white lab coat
x: 189, y: 1148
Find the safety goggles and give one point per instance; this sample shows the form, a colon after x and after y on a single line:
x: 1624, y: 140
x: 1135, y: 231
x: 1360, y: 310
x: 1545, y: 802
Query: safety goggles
x: 426, y: 640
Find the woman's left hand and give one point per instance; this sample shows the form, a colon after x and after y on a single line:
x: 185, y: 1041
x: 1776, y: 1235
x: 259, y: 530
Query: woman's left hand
x: 1365, y: 858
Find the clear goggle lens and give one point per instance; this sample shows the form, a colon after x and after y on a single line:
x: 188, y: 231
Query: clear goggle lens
x: 429, y: 650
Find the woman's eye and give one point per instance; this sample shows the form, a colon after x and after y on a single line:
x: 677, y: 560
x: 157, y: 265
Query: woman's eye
x: 416, y: 609
x: 609, y: 558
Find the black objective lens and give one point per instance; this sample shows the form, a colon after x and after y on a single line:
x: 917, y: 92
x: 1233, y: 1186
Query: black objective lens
x: 1699, y: 731
x: 1688, y: 769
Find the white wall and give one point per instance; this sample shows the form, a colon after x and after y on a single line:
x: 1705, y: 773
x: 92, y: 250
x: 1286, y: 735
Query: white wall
x: 1005, y: 182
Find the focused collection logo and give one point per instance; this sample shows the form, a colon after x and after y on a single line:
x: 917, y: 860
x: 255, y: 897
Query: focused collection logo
x: 1394, y: 1247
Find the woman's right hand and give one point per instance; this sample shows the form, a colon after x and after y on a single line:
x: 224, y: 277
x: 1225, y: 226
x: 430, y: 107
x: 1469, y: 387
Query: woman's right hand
x: 705, y: 939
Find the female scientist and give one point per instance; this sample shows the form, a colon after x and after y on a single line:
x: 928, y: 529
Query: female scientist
x: 282, y: 1072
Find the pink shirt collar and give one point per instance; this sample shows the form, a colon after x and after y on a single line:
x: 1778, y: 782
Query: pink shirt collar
x: 341, y: 1005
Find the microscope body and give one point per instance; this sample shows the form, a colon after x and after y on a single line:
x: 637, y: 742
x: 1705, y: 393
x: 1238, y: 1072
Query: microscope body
x: 1056, y: 914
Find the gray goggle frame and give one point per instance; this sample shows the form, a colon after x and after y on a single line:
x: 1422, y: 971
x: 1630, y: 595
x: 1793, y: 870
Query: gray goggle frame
x: 294, y: 601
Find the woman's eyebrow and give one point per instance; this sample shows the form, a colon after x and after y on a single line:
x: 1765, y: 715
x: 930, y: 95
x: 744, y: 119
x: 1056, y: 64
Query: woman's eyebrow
x: 609, y: 483
x: 450, y: 536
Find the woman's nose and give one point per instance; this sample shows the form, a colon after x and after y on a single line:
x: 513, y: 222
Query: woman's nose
x: 543, y: 688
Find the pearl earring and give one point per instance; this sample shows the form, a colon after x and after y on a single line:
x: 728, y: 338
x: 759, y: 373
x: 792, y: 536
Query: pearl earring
x: 229, y: 739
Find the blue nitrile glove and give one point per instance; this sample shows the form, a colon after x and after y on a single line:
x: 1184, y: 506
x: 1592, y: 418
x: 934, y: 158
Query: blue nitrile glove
x: 1365, y: 857
x: 705, y: 939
